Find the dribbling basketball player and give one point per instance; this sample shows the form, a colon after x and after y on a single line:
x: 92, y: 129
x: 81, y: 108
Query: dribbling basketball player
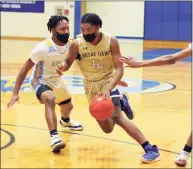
x: 97, y: 56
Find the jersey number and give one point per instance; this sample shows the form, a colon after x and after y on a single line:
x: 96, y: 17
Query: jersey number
x: 97, y: 63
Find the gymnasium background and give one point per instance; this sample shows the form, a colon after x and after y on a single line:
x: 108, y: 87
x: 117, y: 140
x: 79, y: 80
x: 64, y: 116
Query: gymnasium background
x: 144, y: 29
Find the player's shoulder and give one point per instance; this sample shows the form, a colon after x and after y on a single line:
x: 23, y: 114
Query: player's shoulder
x: 45, y: 42
x: 43, y: 45
x: 108, y: 36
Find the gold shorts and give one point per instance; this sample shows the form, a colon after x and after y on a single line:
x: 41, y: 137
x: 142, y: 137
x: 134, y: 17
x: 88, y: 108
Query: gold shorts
x: 92, y: 88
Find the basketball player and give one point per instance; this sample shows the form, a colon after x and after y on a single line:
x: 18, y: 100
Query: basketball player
x: 182, y: 157
x: 46, y: 82
x: 97, y: 56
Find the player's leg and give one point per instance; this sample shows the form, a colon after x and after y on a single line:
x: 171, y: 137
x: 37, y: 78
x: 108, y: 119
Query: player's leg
x: 108, y: 125
x: 151, y: 152
x: 188, y: 145
x: 125, y: 105
x: 65, y: 109
x: 63, y: 99
x: 183, y: 156
x: 46, y: 96
x: 92, y: 89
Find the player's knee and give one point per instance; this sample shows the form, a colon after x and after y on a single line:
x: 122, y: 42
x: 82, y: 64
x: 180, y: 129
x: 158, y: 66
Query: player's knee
x: 107, y: 130
x: 70, y: 106
x: 49, y: 100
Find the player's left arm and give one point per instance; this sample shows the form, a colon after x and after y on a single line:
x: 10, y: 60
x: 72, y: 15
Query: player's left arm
x: 116, y: 54
x: 73, y: 52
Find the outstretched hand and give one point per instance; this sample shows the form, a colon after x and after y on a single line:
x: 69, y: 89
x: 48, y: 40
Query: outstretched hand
x: 130, y: 62
x: 13, y: 100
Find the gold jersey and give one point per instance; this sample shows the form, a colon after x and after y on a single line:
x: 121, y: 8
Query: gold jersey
x: 96, y: 60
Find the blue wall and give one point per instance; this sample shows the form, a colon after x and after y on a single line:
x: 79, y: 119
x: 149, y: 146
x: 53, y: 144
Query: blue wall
x: 77, y: 18
x: 168, y: 20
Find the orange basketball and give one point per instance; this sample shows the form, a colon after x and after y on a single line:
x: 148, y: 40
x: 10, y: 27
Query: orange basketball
x: 101, y: 108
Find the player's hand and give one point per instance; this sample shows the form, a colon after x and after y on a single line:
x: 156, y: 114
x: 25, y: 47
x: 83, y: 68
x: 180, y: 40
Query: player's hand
x: 13, y: 100
x: 61, y: 68
x: 106, y: 93
x: 122, y: 83
x: 130, y: 62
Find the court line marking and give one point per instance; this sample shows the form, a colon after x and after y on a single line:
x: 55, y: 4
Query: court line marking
x: 11, y: 141
x: 86, y: 135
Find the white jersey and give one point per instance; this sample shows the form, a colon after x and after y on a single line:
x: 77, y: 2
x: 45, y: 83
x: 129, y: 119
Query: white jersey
x: 47, y: 56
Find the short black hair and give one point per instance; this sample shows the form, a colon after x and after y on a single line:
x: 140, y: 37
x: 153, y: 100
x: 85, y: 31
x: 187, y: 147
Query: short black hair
x: 92, y: 19
x: 54, y: 20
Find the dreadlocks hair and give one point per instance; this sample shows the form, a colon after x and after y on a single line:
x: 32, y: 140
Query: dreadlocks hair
x: 92, y: 19
x: 54, y: 20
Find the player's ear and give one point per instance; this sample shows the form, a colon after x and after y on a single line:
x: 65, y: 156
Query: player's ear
x: 98, y: 27
x: 53, y: 30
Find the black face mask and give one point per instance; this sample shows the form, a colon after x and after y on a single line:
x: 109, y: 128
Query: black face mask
x: 62, y: 37
x: 89, y: 37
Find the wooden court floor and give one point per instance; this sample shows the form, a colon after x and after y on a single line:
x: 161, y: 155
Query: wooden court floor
x: 164, y: 117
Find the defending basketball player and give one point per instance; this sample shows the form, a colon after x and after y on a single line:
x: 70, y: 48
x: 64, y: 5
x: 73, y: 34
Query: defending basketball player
x: 97, y: 56
x: 182, y: 157
x: 48, y: 85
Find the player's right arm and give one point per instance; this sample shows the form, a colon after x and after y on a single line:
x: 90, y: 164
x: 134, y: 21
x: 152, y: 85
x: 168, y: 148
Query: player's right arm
x: 73, y: 52
x: 20, y: 78
x: 159, y: 61
x: 36, y: 55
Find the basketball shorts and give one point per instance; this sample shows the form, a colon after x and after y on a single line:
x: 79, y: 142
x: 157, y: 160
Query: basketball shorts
x: 61, y: 93
x: 93, y: 88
